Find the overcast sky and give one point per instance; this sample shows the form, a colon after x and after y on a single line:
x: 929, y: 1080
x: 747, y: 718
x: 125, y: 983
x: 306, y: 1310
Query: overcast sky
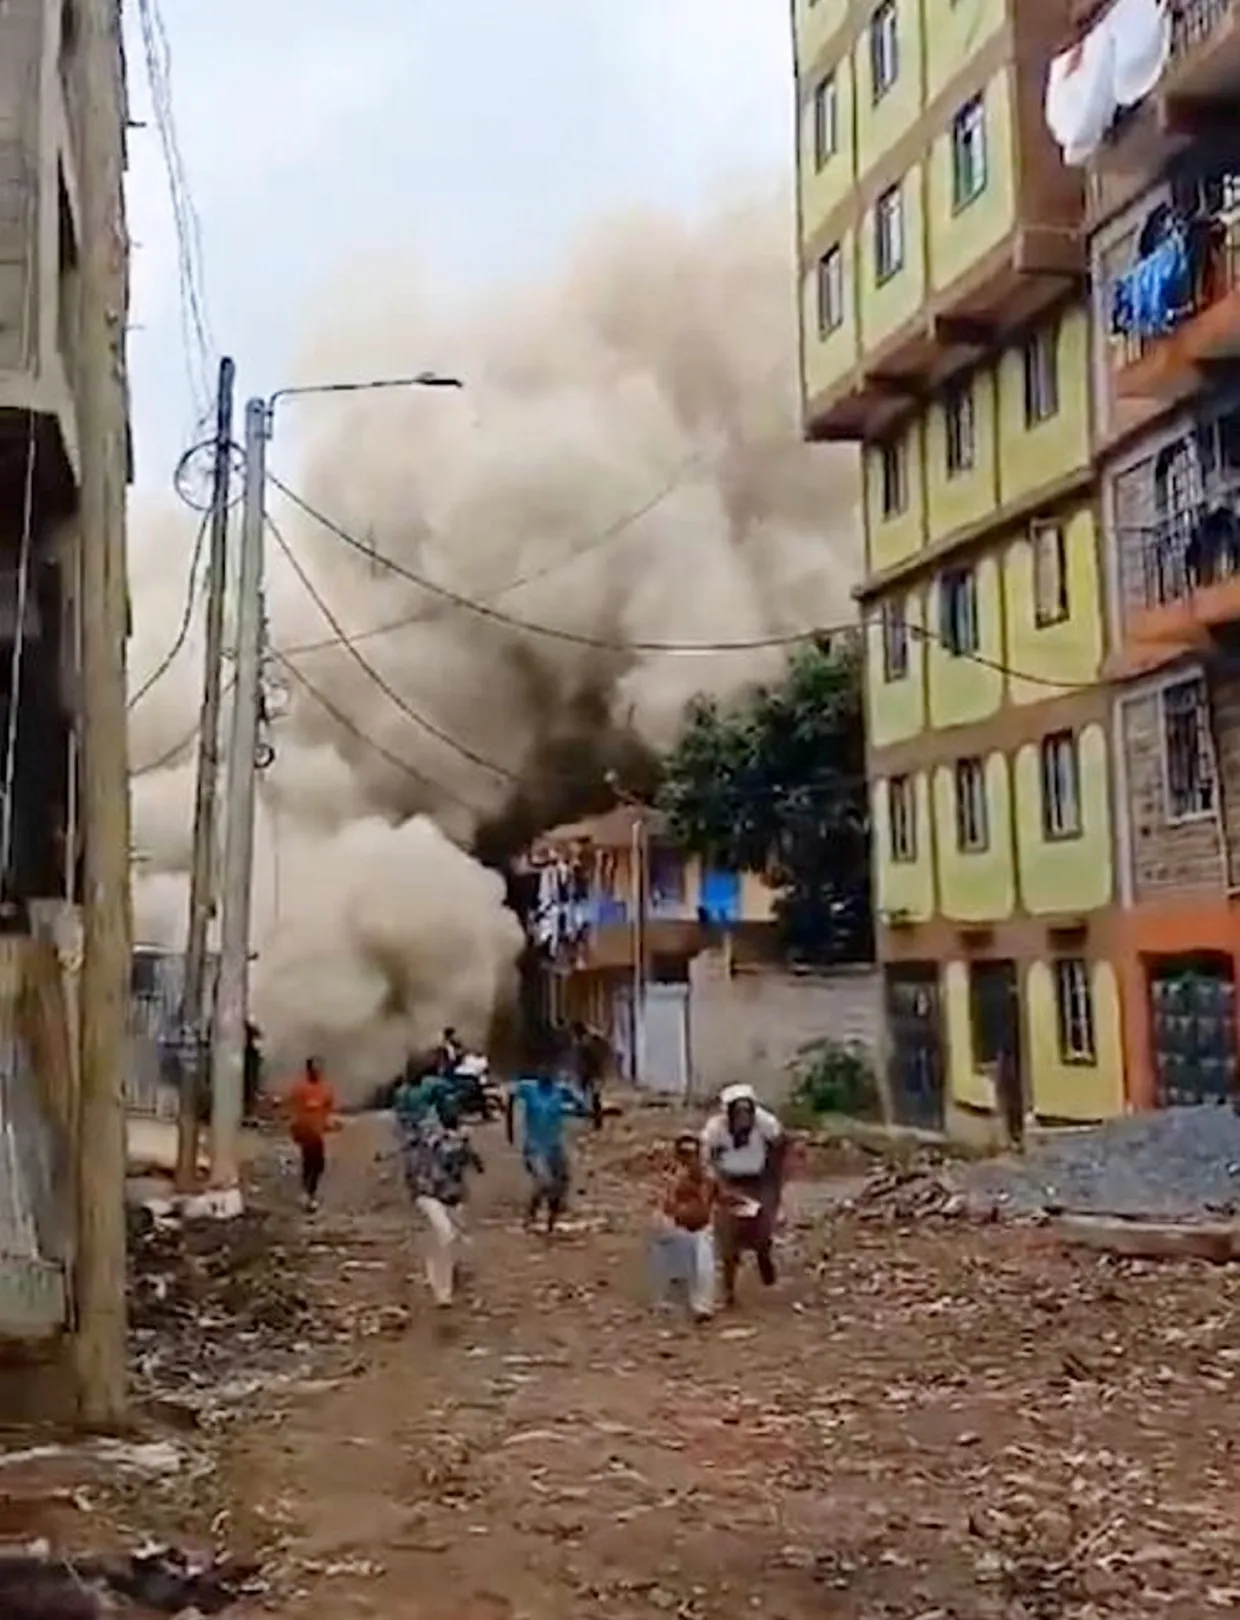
x: 478, y: 134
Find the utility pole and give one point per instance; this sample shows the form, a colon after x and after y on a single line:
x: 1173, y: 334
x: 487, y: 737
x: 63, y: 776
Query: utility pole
x: 99, y: 1272
x: 202, y: 886
x: 228, y: 1046
x: 639, y: 858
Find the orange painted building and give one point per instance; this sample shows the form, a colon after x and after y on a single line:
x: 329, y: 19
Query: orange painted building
x: 1164, y: 228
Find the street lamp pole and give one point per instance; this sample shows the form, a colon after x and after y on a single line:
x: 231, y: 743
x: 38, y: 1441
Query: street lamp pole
x: 232, y: 993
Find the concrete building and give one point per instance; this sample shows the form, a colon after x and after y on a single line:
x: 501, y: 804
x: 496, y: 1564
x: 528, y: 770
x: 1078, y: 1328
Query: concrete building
x: 41, y: 611
x: 946, y: 332
x: 1163, y: 195
x: 593, y: 930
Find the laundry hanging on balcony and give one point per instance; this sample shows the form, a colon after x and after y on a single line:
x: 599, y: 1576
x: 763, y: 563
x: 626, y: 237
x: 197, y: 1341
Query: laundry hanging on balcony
x: 1150, y: 299
x: 1115, y: 65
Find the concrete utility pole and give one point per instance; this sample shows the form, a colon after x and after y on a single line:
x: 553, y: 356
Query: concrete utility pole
x: 194, y: 1011
x: 99, y: 1273
x: 640, y: 858
x: 228, y: 1053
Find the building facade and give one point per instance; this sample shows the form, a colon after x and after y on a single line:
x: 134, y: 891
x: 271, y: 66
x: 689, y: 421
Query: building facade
x: 41, y: 614
x: 620, y: 904
x: 1164, y: 216
x: 946, y: 331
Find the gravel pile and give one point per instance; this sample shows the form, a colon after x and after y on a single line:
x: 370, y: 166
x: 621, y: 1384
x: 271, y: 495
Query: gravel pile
x: 1183, y: 1164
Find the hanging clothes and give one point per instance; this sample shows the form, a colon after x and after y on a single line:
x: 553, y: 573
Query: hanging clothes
x: 1114, y: 66
x: 1141, y: 47
x: 1151, y: 297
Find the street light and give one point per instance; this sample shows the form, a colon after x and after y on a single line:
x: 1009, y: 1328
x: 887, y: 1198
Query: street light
x: 423, y: 379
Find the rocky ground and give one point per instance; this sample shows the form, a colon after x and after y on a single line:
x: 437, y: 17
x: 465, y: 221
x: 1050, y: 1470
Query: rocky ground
x: 930, y: 1418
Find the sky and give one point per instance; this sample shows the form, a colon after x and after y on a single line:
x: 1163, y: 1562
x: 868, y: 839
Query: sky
x: 469, y: 139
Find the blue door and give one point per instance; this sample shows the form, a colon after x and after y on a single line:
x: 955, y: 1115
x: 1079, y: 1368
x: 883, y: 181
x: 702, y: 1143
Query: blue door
x: 721, y: 895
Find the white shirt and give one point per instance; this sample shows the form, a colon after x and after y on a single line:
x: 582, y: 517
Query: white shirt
x: 736, y: 1158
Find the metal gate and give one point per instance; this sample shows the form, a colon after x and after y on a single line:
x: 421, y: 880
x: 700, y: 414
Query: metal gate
x: 915, y: 1046
x: 1193, y: 1029
x: 158, y: 1045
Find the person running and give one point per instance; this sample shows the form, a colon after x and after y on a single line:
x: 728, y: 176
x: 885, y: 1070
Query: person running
x: 311, y: 1105
x: 443, y: 1157
x: 546, y: 1105
x: 683, y: 1252
x: 590, y: 1056
x: 746, y: 1148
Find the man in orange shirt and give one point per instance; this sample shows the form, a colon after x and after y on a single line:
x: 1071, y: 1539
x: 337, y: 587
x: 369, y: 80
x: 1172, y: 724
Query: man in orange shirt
x: 311, y: 1107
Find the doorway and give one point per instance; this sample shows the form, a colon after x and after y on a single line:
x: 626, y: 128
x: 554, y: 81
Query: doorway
x: 994, y: 1017
x: 915, y: 1046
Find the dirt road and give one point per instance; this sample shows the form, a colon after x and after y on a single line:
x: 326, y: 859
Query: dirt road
x: 939, y: 1422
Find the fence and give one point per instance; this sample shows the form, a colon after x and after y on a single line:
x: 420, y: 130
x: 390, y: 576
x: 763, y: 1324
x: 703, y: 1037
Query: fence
x: 159, y: 1044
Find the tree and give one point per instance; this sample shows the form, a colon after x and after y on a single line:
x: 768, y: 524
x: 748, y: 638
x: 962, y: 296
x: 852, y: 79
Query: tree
x: 775, y: 783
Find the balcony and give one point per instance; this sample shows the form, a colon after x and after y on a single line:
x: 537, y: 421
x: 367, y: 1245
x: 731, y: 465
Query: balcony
x: 1176, y: 311
x: 1190, y: 565
x: 1205, y: 51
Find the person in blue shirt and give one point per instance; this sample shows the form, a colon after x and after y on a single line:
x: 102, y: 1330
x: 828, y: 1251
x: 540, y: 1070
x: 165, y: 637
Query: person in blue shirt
x: 546, y: 1104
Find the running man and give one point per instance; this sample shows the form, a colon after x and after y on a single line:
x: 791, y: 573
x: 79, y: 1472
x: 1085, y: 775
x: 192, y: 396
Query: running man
x: 590, y: 1056
x: 746, y: 1147
x: 311, y: 1106
x: 546, y: 1106
x: 683, y: 1251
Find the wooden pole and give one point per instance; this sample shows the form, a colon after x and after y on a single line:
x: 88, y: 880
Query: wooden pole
x: 99, y: 1271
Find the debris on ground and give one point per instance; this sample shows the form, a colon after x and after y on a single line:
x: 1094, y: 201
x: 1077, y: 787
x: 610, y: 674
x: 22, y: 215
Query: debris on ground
x: 920, y: 1190
x: 160, y: 1581
x: 1177, y: 1164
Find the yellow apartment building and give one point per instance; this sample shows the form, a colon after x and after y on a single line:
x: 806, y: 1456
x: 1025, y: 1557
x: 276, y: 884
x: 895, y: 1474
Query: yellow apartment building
x: 945, y: 331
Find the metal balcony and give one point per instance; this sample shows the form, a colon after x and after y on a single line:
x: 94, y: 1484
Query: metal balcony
x: 1190, y: 566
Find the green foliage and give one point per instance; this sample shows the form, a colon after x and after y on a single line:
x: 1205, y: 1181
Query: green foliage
x: 775, y: 783
x: 835, y: 1078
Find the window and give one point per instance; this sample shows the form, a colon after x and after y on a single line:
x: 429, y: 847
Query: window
x: 958, y: 611
x: 830, y: 291
x: 893, y: 474
x: 972, y: 830
x: 1050, y: 574
x: 1188, y: 758
x: 884, y: 49
x: 968, y: 153
x: 895, y: 640
x: 958, y: 419
x: 1041, y: 356
x: 826, y: 121
x: 1074, y: 1011
x: 1061, y: 786
x: 903, y: 810
x: 888, y: 234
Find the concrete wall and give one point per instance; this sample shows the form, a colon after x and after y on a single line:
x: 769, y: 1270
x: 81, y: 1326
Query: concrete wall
x: 752, y: 1025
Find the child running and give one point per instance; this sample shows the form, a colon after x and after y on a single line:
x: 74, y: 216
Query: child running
x: 684, y: 1249
x: 442, y: 1157
x: 546, y: 1105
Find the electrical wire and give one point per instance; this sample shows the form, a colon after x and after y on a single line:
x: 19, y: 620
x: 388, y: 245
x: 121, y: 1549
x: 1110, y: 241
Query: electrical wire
x: 170, y: 755
x: 187, y: 619
x: 583, y: 548
x: 789, y: 640
x: 351, y: 726
x: 195, y: 317
x: 384, y: 685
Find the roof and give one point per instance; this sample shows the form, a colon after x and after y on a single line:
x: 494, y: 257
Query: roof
x: 612, y: 830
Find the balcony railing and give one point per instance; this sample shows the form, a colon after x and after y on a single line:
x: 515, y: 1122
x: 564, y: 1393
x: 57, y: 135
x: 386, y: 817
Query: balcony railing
x: 1189, y: 272
x: 1192, y: 549
x: 1193, y: 21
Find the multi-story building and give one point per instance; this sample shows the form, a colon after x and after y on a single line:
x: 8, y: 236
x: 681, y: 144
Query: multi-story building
x: 41, y: 610
x: 1164, y: 241
x: 620, y: 903
x: 945, y: 329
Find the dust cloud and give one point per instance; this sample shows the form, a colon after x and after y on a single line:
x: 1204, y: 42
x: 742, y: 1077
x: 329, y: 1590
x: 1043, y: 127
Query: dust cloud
x: 623, y: 465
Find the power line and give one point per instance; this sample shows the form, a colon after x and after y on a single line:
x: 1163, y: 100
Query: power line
x: 195, y: 319
x: 575, y: 553
x: 789, y: 640
x: 187, y: 619
x: 380, y: 681
x: 484, y: 610
x: 170, y: 755
x: 351, y: 726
